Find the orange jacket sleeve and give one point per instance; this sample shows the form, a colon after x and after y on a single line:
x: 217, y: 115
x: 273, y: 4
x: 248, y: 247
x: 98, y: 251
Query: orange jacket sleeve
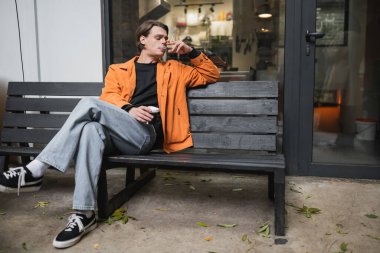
x: 203, y: 72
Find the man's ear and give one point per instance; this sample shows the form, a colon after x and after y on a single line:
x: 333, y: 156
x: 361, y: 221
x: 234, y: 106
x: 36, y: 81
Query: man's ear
x: 142, y: 40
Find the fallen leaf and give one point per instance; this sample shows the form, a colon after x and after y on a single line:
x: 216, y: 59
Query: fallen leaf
x: 96, y: 245
x: 294, y: 190
x: 208, y: 238
x: 119, y: 215
x: 308, y: 196
x: 371, y: 215
x: 227, y: 225
x: 41, y: 204
x: 237, y: 189
x: 192, y: 187
x: 245, y: 238
x: 308, y: 211
x: 124, y: 219
x: 202, y: 224
x: 264, y: 230
x: 343, y: 247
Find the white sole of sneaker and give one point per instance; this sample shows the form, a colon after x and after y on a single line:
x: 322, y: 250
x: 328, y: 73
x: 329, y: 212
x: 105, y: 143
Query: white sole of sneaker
x: 69, y: 243
x: 22, y: 189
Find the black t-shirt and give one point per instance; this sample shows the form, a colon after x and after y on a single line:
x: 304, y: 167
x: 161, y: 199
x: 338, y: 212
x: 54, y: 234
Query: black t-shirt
x: 146, y: 85
x: 146, y: 94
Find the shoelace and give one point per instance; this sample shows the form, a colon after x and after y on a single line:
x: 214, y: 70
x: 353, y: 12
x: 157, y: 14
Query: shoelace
x: 21, y: 177
x: 74, y: 220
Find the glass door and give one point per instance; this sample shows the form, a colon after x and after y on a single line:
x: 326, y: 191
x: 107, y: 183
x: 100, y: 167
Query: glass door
x: 340, y: 88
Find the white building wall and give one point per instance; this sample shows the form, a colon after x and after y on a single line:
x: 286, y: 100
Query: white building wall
x: 61, y: 41
x: 10, y: 60
x: 70, y: 40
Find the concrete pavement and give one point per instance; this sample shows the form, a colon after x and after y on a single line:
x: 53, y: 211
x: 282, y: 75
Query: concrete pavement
x: 169, y: 207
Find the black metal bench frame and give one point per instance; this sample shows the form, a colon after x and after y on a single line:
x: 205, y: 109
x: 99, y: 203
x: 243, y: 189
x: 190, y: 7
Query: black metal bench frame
x: 234, y: 129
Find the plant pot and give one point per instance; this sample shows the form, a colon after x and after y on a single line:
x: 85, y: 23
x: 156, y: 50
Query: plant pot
x: 365, y: 129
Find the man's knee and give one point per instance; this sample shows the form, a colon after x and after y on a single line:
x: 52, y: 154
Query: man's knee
x: 92, y: 128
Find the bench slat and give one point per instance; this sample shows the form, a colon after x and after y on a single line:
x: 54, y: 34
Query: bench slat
x: 234, y: 107
x: 234, y: 141
x: 34, y: 120
x: 233, y: 124
x: 42, y: 136
x: 55, y: 88
x: 24, y: 151
x: 41, y: 104
x: 233, y: 163
x: 246, y: 89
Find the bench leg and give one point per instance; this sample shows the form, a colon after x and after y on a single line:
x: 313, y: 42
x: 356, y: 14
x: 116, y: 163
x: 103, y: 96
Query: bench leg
x: 102, y: 195
x: 3, y: 163
x: 25, y: 160
x: 130, y: 177
x: 107, y: 206
x: 279, y: 202
x: 271, y: 186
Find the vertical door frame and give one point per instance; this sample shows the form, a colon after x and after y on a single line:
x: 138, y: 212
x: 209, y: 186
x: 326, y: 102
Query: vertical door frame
x: 292, y: 80
x: 106, y: 34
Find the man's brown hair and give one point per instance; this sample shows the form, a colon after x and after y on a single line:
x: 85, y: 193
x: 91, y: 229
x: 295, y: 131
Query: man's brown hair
x: 144, y: 30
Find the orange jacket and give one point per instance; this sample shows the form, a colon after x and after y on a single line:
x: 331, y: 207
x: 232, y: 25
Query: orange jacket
x: 173, y: 78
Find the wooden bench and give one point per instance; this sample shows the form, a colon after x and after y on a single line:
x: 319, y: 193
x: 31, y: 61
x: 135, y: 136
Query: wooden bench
x: 234, y: 126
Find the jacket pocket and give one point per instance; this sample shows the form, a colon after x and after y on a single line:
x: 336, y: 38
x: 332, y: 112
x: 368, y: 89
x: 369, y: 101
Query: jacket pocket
x: 180, y: 128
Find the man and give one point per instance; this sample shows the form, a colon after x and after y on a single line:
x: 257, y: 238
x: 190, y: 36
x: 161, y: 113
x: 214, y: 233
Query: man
x: 124, y: 120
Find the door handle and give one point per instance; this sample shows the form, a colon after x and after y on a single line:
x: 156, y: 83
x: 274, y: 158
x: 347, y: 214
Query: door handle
x: 315, y: 35
x: 310, y: 38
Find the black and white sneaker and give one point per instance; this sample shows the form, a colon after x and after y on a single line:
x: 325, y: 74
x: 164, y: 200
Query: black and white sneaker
x: 18, y: 180
x: 76, y: 228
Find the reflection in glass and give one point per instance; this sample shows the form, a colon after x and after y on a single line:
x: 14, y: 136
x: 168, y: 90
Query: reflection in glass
x: 347, y: 83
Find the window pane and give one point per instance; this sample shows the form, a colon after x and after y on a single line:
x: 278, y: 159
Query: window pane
x: 347, y: 83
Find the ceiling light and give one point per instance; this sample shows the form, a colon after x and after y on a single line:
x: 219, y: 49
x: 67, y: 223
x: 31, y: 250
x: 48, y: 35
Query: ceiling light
x: 264, y: 11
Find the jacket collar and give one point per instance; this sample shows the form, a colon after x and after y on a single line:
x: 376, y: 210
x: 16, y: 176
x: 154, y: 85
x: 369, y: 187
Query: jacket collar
x: 130, y: 63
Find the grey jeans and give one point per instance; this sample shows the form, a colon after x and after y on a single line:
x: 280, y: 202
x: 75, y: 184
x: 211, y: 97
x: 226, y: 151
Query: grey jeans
x: 94, y: 128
